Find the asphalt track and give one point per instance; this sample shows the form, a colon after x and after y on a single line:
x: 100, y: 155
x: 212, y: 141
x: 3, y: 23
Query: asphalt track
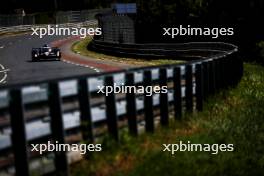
x: 15, y: 58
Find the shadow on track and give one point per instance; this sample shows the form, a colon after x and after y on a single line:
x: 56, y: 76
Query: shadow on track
x: 43, y: 60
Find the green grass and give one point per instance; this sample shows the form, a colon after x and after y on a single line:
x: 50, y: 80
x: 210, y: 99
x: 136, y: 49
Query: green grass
x: 235, y: 116
x: 81, y: 48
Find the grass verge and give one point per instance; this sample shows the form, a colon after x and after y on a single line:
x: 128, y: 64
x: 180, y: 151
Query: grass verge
x: 8, y: 34
x: 80, y: 47
x: 234, y: 116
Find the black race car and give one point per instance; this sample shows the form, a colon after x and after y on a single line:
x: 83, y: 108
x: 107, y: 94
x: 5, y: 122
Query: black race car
x: 45, y: 52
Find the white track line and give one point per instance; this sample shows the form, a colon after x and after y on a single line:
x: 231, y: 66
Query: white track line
x: 81, y: 65
x: 6, y: 70
x: 3, y: 80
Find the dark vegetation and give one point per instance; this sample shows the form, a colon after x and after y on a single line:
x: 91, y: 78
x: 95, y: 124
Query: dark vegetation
x: 243, y: 16
x: 33, y: 6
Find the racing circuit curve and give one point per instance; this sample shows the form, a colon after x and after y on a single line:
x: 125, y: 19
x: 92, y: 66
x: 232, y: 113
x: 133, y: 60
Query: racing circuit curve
x: 15, y: 54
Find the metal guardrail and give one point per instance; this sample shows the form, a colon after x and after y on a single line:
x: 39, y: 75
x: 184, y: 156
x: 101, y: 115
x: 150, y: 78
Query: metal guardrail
x: 189, y: 84
x: 185, y: 51
x: 25, y: 28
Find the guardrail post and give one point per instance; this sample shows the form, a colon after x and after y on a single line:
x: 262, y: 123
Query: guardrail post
x: 148, y: 103
x: 214, y: 76
x: 206, y: 78
x: 177, y: 96
x: 57, y: 127
x: 199, y: 86
x: 85, y: 111
x: 18, y: 136
x: 189, y: 88
x: 131, y: 106
x: 111, y: 112
x: 164, y: 103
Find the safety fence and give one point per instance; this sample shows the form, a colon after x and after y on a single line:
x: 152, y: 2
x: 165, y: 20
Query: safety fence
x: 71, y: 110
x: 60, y: 17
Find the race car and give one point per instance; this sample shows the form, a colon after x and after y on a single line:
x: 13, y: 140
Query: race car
x: 45, y: 52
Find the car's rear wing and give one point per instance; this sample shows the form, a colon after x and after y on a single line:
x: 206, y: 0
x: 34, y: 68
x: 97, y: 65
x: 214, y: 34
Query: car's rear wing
x: 53, y: 48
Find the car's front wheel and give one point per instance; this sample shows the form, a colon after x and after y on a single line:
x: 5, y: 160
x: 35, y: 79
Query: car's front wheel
x: 34, y: 59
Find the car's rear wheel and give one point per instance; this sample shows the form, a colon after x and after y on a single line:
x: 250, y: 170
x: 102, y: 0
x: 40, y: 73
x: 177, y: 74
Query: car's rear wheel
x: 58, y: 54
